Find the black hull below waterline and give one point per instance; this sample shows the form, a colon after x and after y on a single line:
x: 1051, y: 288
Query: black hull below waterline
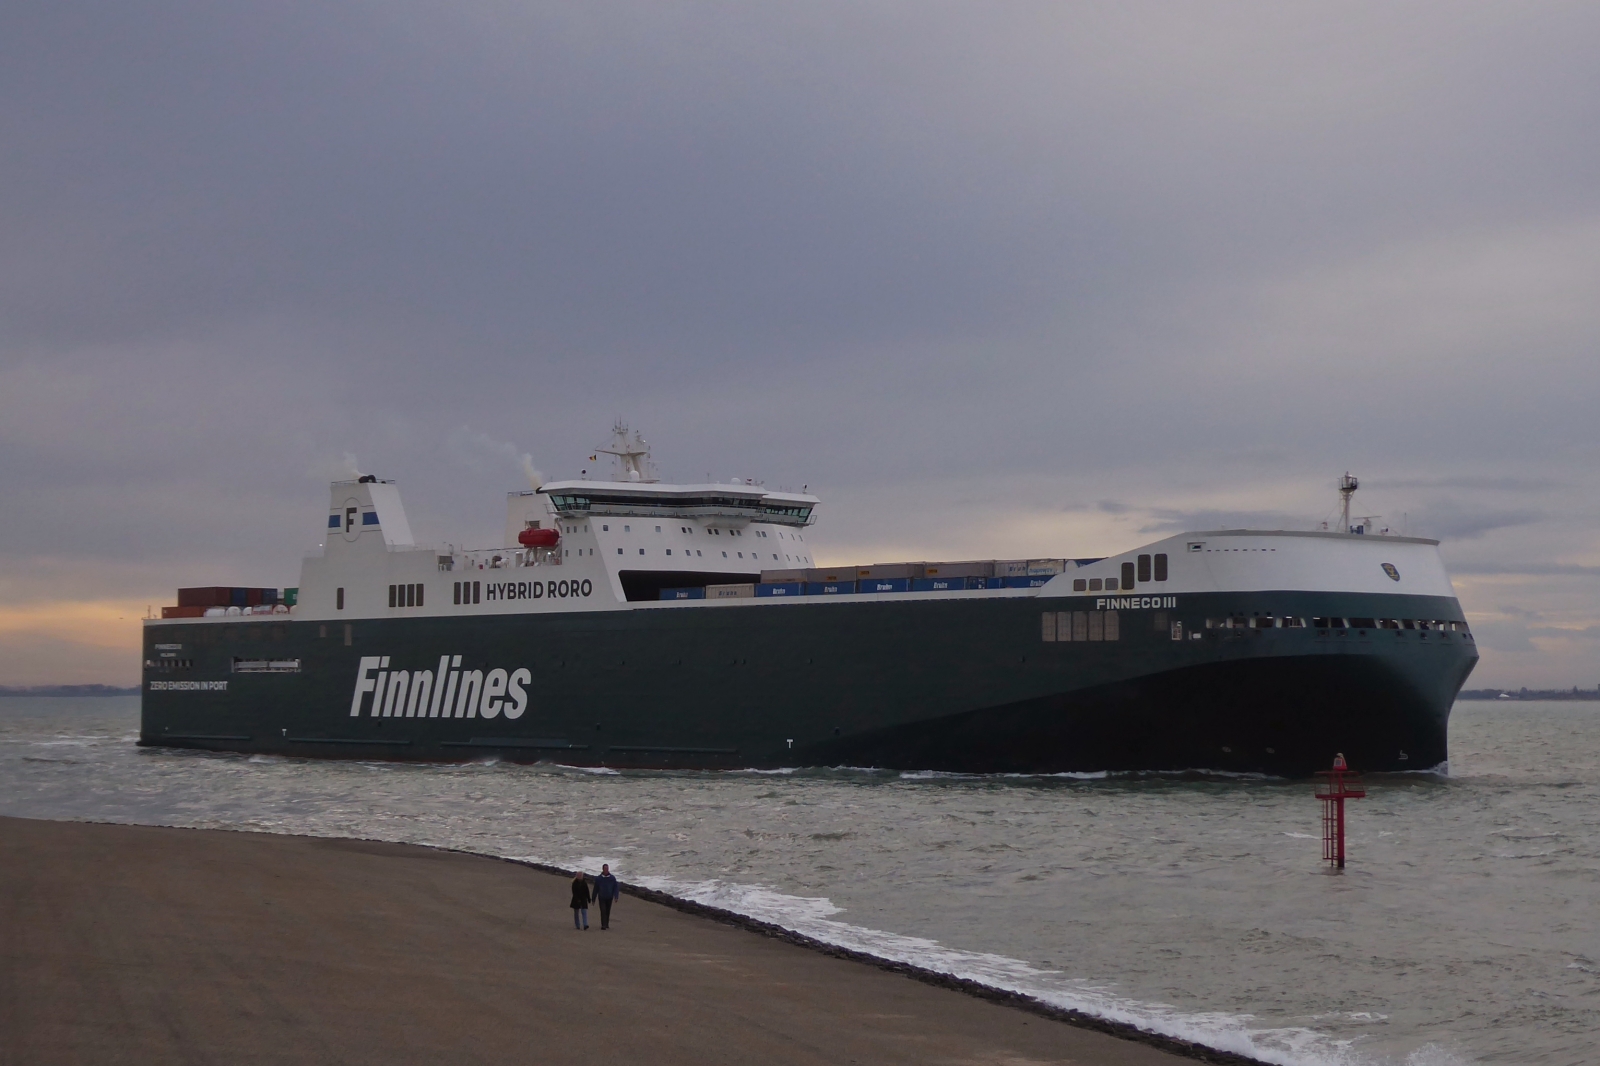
x: 958, y: 684
x: 1277, y: 716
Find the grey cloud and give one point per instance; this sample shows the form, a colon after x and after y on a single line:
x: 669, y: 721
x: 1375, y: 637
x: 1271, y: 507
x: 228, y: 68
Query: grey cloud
x: 1469, y: 483
x: 1528, y: 569
x: 1559, y: 633
x: 1503, y: 636
x: 1457, y: 521
x: 1124, y: 254
x: 1176, y: 521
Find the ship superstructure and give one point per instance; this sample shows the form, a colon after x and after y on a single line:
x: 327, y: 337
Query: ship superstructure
x: 629, y: 622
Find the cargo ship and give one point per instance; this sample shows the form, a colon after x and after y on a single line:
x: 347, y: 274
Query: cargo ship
x: 629, y: 623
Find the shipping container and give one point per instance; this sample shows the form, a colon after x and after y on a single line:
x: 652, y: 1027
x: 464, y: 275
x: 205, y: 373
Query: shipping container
x: 1023, y: 582
x: 983, y: 568
x: 782, y: 577
x: 183, y: 612
x: 830, y: 574
x: 291, y: 597
x: 949, y: 584
x: 885, y: 584
x: 683, y: 594
x: 830, y: 588
x: 888, y: 570
x: 780, y: 588
x: 1011, y: 568
x: 209, y: 596
x: 730, y: 592
x: 1049, y: 567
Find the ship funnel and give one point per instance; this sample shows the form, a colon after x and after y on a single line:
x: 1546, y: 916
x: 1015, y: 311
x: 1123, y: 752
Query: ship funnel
x: 366, y: 511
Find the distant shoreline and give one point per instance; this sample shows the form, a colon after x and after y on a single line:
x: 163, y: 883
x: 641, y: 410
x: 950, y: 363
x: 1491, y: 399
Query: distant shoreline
x: 66, y: 690
x: 1529, y: 694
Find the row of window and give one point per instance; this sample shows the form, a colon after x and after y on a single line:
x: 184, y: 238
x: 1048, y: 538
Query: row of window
x: 710, y: 530
x: 405, y: 595
x: 1259, y: 622
x: 1146, y: 568
x: 168, y: 665
x: 1062, y: 626
x: 349, y: 632
x: 468, y: 591
x: 753, y: 556
x: 1426, y: 625
x: 588, y: 501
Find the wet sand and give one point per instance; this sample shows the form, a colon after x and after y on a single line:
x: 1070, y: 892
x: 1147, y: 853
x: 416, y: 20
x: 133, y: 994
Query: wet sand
x: 135, y: 944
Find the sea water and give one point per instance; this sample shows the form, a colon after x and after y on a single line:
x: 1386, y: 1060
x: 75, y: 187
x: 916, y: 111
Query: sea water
x: 1465, y: 928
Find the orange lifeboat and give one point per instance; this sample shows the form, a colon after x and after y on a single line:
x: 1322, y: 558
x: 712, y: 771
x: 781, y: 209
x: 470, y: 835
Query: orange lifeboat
x: 538, y: 538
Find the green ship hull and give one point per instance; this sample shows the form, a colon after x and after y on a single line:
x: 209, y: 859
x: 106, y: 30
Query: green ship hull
x: 958, y: 684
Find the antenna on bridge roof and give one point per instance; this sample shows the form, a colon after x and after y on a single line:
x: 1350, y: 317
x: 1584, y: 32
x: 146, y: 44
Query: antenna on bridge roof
x: 633, y: 455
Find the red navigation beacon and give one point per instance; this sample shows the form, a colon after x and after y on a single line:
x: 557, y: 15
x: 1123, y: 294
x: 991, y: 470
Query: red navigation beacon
x: 1333, y: 788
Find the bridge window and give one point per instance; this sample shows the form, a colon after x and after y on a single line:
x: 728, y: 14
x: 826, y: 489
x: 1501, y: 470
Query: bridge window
x: 1095, y: 584
x: 1127, y: 575
x: 1079, y: 584
x: 1144, y: 568
x: 1161, y: 566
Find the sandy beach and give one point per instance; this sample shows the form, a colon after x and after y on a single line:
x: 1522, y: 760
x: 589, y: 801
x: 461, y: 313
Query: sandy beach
x: 133, y: 944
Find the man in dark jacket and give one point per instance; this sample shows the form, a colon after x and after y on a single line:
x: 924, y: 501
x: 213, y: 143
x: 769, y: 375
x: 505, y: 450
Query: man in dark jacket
x: 605, y: 893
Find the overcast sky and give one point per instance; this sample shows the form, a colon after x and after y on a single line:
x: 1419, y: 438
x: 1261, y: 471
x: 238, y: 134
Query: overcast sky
x: 993, y: 279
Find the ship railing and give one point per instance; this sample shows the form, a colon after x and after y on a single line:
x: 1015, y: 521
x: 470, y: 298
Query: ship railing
x: 506, y: 558
x: 798, y: 517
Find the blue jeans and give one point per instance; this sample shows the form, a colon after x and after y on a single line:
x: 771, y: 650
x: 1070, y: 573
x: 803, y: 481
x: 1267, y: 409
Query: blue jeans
x: 580, y: 917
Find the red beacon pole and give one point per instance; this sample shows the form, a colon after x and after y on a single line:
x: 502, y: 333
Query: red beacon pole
x: 1334, y: 787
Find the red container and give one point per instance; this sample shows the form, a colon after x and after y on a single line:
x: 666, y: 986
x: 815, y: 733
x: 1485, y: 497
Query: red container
x: 183, y: 612
x: 209, y: 596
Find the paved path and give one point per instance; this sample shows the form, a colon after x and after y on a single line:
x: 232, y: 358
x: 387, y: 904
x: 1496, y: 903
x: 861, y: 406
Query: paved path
x: 133, y: 944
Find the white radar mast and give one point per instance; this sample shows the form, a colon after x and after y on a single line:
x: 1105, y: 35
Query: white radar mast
x: 1347, y: 489
x: 633, y: 455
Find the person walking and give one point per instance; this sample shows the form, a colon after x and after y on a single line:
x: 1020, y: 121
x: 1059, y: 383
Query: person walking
x: 580, y: 902
x: 605, y: 893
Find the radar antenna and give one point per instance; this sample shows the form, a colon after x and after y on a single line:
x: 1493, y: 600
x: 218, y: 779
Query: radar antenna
x: 632, y: 455
x: 1347, y: 489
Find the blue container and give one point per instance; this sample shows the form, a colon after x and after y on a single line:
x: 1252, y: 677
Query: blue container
x: 885, y: 584
x: 947, y: 584
x: 781, y: 588
x: 1037, y: 581
x: 683, y: 594
x: 239, y: 597
x: 830, y: 588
